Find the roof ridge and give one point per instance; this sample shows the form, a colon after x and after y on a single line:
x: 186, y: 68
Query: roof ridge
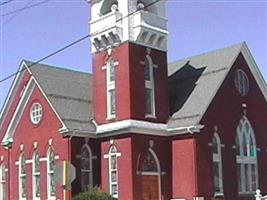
x: 240, y: 44
x: 56, y: 67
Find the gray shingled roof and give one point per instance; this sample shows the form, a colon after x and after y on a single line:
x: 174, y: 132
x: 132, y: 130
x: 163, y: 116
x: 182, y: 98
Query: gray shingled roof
x: 195, y: 81
x: 70, y: 93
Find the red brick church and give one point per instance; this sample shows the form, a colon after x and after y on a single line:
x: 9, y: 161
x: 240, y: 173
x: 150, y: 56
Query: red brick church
x: 139, y: 127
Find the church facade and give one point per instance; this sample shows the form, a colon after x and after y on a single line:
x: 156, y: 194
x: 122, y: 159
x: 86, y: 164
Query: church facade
x: 138, y: 127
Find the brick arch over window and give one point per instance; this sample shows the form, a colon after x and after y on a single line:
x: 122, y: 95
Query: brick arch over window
x: 246, y: 157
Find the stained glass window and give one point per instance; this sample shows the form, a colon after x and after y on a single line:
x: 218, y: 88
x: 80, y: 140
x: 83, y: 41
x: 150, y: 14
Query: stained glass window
x: 22, y: 177
x: 111, y: 88
x: 149, y: 90
x: 149, y: 163
x: 217, y: 164
x: 36, y: 175
x: 86, y: 168
x: 51, y: 173
x: 3, y: 183
x: 113, y: 171
x: 246, y: 158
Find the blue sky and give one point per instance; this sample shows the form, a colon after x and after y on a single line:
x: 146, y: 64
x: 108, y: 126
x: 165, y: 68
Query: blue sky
x: 195, y: 27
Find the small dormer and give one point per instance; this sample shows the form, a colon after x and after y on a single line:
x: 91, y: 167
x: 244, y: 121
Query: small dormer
x: 140, y: 21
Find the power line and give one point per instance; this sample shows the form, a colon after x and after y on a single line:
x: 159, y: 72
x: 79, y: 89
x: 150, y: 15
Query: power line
x: 6, y: 2
x: 15, y: 15
x: 24, y: 8
x: 70, y: 45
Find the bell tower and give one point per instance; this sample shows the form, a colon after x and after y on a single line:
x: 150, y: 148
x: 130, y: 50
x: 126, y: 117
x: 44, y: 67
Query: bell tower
x: 129, y: 47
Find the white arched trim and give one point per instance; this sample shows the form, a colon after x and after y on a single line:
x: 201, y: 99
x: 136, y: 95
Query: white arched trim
x: 150, y: 88
x: 157, y: 173
x: 22, y: 177
x: 246, y: 157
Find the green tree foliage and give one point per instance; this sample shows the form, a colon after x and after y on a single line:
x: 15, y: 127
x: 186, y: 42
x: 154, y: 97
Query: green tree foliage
x: 93, y: 194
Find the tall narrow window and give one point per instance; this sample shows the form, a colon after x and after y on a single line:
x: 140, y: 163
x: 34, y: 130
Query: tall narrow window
x: 22, y: 177
x: 217, y: 165
x: 3, y: 179
x: 111, y: 89
x: 86, y: 168
x: 51, y: 184
x: 149, y: 92
x: 36, y: 176
x: 113, y: 171
x: 246, y: 157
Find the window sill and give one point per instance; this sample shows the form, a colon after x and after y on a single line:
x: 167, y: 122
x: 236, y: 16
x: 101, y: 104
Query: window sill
x: 111, y: 117
x: 218, y: 194
x: 149, y: 116
x: 246, y: 194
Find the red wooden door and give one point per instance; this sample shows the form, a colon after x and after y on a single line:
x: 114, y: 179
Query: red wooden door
x: 150, y: 188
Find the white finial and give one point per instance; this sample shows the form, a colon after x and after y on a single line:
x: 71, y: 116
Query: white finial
x: 215, y: 128
x: 21, y: 147
x: 258, y: 194
x: 111, y: 141
x: 2, y: 158
x: 148, y: 50
x: 50, y: 141
x: 35, y: 144
x: 151, y: 143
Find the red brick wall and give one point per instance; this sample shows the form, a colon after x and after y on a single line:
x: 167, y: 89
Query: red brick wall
x: 184, y: 181
x: 130, y: 83
x: 225, y: 112
x: 26, y: 134
x: 125, y: 173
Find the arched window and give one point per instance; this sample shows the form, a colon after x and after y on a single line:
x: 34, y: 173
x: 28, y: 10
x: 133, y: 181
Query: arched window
x: 147, y: 5
x: 86, y: 168
x: 113, y: 171
x: 246, y: 157
x: 3, y: 179
x: 22, y: 177
x: 150, y: 163
x: 149, y: 83
x: 217, y: 164
x: 36, y: 176
x: 51, y: 183
x: 107, y: 6
x: 111, y: 88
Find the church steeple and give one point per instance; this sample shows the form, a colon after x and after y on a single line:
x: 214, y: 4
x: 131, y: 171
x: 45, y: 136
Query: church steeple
x: 116, y: 21
x: 129, y: 45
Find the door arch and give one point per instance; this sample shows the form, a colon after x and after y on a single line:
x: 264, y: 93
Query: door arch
x: 150, y: 171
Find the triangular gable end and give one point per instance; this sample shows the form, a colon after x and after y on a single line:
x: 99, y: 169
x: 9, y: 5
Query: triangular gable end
x: 8, y: 137
x: 254, y: 69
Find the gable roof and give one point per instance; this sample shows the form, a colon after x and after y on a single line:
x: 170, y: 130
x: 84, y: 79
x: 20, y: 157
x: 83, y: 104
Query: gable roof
x: 69, y: 92
x: 196, y: 80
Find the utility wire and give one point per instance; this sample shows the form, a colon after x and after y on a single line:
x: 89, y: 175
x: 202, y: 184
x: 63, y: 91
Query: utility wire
x: 24, y: 8
x: 70, y: 45
x: 15, y: 15
x: 6, y: 2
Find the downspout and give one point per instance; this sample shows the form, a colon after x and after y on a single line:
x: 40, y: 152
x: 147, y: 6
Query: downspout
x: 8, y: 175
x: 69, y: 159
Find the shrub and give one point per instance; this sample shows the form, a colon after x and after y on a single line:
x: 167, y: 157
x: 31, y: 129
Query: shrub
x: 93, y: 194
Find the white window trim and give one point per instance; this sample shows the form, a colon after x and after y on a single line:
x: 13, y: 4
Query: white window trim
x: 217, y: 158
x: 149, y: 84
x: 246, y: 159
x: 20, y: 177
x: 3, y: 182
x: 49, y: 172
x: 87, y: 147
x: 108, y: 156
x: 34, y: 174
x: 36, y: 115
x: 111, y: 85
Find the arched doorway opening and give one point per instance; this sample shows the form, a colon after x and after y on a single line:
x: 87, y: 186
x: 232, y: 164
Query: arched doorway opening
x: 150, y: 172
